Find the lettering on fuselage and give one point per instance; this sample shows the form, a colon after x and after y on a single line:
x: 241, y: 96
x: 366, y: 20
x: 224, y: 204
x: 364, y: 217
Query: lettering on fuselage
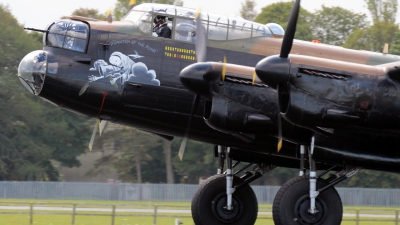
x: 180, y: 53
x: 133, y: 42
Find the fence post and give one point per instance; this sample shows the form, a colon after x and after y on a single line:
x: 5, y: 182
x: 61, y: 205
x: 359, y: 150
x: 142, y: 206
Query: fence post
x: 397, y: 217
x: 155, y: 215
x: 357, y: 216
x: 113, y: 215
x: 73, y: 213
x: 31, y: 213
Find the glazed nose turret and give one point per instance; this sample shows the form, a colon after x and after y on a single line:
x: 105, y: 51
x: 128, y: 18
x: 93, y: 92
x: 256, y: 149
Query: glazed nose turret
x: 32, y: 71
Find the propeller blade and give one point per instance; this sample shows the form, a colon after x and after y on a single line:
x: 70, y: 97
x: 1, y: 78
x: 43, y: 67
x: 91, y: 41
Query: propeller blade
x: 182, y: 148
x: 201, y: 53
x: 132, y: 4
x: 224, y: 69
x: 254, y: 77
x: 113, y: 82
x: 201, y: 45
x: 101, y: 126
x: 287, y: 44
x: 279, y: 132
x: 109, y: 16
x: 279, y: 144
x: 287, y: 41
x: 279, y: 123
x: 83, y: 89
x: 93, y: 135
x: 183, y: 144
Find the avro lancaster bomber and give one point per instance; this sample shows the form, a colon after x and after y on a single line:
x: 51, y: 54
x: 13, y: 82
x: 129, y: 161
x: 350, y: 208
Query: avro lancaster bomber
x: 197, y: 79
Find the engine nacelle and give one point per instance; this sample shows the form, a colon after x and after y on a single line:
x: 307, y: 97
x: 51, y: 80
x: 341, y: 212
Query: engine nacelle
x: 309, y: 111
x: 234, y: 118
x: 320, y: 99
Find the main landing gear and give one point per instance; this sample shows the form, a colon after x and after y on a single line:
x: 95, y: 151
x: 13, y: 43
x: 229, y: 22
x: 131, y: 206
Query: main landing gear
x: 226, y: 198
x: 292, y: 204
x: 309, y: 199
x: 306, y: 200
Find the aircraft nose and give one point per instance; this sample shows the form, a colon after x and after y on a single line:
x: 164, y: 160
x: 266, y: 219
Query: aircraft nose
x: 32, y: 71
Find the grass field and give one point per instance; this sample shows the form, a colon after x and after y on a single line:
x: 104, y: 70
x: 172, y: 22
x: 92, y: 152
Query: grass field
x: 62, y: 215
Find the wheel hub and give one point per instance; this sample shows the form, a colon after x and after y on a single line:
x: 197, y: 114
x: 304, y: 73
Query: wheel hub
x: 304, y: 216
x: 220, y: 211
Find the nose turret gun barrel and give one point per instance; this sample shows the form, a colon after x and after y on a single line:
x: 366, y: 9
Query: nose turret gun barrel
x: 37, y: 30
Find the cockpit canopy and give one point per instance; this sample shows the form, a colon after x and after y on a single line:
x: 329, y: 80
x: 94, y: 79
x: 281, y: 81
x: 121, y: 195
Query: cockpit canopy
x: 68, y: 34
x: 181, y: 20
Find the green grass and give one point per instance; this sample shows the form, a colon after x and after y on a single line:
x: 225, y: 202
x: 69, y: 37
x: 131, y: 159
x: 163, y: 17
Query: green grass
x: 122, y: 218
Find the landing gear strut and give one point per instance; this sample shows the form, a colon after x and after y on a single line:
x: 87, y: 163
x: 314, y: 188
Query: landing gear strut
x: 309, y: 199
x: 226, y: 198
x: 292, y: 204
x: 209, y: 204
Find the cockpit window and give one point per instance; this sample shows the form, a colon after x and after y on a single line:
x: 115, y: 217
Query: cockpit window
x: 143, y: 16
x: 276, y: 29
x: 185, y: 29
x: 260, y: 30
x: 145, y: 23
x: 239, y: 28
x: 183, y: 26
x: 68, y: 34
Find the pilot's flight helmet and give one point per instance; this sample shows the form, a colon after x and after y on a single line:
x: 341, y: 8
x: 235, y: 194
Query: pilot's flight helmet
x: 159, y: 19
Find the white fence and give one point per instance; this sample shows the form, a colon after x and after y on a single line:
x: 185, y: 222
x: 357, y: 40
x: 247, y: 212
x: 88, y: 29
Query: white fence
x: 170, y: 192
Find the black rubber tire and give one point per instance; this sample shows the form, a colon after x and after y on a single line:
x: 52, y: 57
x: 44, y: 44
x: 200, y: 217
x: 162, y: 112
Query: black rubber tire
x: 292, y: 202
x: 210, y: 197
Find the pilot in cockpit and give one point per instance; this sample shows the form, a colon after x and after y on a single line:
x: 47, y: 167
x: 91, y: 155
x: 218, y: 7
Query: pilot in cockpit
x: 161, y: 27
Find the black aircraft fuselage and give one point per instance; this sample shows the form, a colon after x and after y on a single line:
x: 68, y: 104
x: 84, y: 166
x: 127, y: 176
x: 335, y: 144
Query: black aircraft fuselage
x: 121, y: 73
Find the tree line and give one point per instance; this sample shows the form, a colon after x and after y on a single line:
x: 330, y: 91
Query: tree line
x: 34, y: 133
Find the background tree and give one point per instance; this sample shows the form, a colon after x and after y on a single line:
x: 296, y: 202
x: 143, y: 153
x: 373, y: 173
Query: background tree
x: 140, y: 158
x: 85, y: 12
x: 373, y: 179
x: 383, y: 10
x: 332, y: 25
x: 279, y: 13
x: 32, y: 132
x: 198, y: 162
x: 134, y: 146
x: 395, y: 47
x: 373, y: 38
x: 248, y: 10
x: 168, y: 161
x: 382, y: 31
